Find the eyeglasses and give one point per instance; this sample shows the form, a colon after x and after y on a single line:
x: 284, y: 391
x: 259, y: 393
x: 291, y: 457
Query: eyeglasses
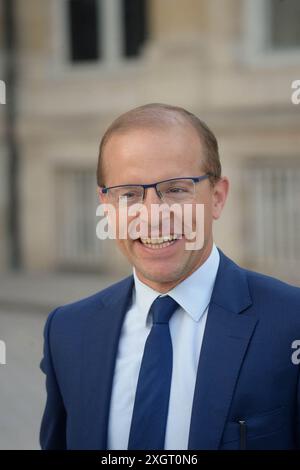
x: 175, y: 190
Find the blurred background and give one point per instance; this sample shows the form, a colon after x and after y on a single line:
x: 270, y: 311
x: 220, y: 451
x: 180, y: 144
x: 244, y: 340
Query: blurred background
x: 70, y: 67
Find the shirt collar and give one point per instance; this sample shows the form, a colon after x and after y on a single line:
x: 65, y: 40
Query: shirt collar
x: 192, y: 294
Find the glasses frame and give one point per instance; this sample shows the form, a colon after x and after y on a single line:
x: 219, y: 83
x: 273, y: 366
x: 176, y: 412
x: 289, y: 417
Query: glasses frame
x: 195, y: 179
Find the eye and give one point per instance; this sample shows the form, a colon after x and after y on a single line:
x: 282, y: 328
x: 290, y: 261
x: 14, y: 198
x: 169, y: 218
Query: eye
x: 128, y: 195
x: 176, y: 190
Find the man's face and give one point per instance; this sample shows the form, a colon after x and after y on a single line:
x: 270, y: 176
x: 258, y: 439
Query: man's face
x: 144, y: 156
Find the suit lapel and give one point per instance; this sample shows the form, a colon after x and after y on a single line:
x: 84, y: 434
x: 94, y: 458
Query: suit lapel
x: 226, y: 338
x: 100, y: 347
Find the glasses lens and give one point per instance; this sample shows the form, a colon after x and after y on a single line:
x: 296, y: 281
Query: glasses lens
x: 126, y: 194
x: 180, y: 190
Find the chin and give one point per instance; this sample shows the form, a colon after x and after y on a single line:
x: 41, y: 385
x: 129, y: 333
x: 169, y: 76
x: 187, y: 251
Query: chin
x: 162, y: 275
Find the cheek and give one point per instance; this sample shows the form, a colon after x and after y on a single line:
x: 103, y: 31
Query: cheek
x: 208, y: 208
x: 122, y: 222
x: 123, y: 240
x: 125, y: 247
x: 203, y: 214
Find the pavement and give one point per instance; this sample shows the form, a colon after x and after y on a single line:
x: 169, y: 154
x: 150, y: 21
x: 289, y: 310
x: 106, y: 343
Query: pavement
x: 25, y: 302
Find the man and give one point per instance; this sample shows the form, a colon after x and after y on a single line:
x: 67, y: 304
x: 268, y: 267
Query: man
x: 191, y: 351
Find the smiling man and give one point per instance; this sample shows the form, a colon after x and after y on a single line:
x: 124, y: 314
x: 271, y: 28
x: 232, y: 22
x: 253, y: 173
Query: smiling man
x: 191, y: 351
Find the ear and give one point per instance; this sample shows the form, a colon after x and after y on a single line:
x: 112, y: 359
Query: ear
x: 219, y: 196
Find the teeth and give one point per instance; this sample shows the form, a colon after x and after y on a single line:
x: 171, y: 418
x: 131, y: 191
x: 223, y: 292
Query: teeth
x: 159, y: 240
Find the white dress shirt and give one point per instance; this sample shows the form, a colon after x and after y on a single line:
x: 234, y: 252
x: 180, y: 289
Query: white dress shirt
x: 187, y: 326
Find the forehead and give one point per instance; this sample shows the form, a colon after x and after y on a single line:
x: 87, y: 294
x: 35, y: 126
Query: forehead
x: 150, y: 154
x: 159, y: 139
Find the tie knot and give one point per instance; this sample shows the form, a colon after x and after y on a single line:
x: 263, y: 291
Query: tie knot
x: 162, y: 308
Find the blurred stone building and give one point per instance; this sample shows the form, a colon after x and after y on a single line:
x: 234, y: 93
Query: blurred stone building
x: 82, y: 62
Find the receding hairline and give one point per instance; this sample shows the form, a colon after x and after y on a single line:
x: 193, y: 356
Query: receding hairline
x: 148, y: 116
x: 159, y: 116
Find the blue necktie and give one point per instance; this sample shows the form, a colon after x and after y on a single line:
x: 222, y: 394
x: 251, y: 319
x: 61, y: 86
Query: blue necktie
x: 150, y: 411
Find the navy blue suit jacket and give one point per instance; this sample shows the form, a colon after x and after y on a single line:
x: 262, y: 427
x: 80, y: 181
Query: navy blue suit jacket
x: 245, y: 369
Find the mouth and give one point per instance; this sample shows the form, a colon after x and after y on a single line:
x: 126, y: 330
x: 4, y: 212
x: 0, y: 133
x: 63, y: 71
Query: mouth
x: 159, y: 242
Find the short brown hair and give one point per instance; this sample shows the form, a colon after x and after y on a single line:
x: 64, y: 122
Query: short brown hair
x: 158, y: 114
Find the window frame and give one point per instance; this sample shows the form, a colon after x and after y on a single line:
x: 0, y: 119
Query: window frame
x: 257, y: 49
x: 112, y: 45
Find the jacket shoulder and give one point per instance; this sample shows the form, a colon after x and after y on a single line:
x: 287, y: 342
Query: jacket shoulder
x: 275, y: 302
x: 77, y: 311
x: 264, y: 292
x: 262, y: 285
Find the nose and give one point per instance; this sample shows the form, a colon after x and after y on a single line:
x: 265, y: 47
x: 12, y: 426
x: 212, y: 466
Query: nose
x: 151, y: 197
x: 158, y: 218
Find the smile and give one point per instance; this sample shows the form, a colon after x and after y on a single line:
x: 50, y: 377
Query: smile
x: 160, y: 242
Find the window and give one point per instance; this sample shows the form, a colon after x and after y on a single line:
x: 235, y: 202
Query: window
x: 272, y: 30
x: 272, y: 225
x: 76, y: 202
x: 134, y: 21
x: 105, y: 29
x: 285, y: 24
x: 84, y: 30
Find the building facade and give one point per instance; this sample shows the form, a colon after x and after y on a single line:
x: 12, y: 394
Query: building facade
x: 83, y: 62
